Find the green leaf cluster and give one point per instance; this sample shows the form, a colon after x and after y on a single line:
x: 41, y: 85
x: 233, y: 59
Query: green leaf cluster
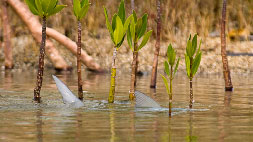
x: 44, y: 8
x: 119, y: 25
x: 169, y: 68
x: 192, y: 56
x: 80, y: 8
x: 136, y: 30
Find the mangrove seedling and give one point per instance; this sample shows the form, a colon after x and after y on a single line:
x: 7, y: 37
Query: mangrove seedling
x: 117, y: 30
x: 80, y: 9
x: 170, y: 70
x: 136, y: 30
x: 192, y: 61
x: 44, y: 9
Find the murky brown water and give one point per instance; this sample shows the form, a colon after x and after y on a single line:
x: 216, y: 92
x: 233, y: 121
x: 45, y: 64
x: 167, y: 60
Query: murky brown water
x: 217, y: 116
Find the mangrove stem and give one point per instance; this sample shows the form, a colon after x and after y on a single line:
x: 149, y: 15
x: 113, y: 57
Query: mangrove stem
x: 113, y: 75
x: 41, y: 62
x: 157, y: 47
x: 226, y: 71
x: 79, y: 72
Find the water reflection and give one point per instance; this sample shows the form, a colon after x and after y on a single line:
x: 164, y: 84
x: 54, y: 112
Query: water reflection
x: 39, y: 124
x: 112, y: 123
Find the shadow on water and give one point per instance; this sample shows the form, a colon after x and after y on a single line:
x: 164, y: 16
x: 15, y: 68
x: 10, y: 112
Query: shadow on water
x: 216, y: 115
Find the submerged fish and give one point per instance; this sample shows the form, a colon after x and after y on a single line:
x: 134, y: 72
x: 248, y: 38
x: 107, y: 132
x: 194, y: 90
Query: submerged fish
x: 145, y: 101
x: 67, y: 96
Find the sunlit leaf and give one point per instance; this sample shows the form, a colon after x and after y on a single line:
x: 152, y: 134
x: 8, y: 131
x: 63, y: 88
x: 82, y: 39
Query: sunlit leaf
x: 144, y: 25
x: 57, y: 9
x: 126, y: 24
x: 135, y: 17
x: 84, y: 2
x: 194, y: 44
x: 132, y: 30
x: 129, y: 38
x: 188, y: 48
x: 118, y: 32
x: 138, y: 26
x: 76, y: 7
x: 196, y: 63
x: 32, y: 6
x: 166, y: 84
x: 51, y: 5
x: 145, y: 39
x: 114, y: 21
x: 83, y: 11
x: 167, y: 68
x: 108, y: 25
x: 39, y: 7
x: 187, y: 64
x: 121, y: 12
x: 175, y: 70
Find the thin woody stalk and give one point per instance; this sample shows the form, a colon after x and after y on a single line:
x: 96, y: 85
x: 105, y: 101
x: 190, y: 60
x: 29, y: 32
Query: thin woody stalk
x: 41, y: 62
x: 157, y: 47
x: 79, y: 72
x: 191, y: 89
x: 113, y: 75
x: 170, y: 95
x: 226, y: 71
x: 133, y: 74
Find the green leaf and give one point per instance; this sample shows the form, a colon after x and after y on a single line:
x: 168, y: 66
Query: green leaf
x: 118, y: 33
x: 167, y: 68
x: 108, y: 25
x: 175, y: 70
x: 166, y: 84
x: 76, y: 8
x: 32, y: 6
x: 187, y: 64
x: 51, y: 5
x: 132, y: 30
x: 194, y: 44
x: 114, y: 22
x: 135, y: 17
x: 138, y: 27
x: 57, y: 9
x: 188, y: 48
x: 199, y: 46
x: 129, y: 39
x: 83, y: 11
x: 143, y: 26
x: 84, y: 2
x: 39, y: 7
x: 172, y: 58
x: 145, y: 39
x: 126, y: 24
x: 121, y: 12
x: 121, y: 42
x: 196, y: 63
x: 45, y: 4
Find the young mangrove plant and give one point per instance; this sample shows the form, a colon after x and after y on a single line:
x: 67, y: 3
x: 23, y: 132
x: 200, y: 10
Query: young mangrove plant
x: 117, y: 30
x: 44, y: 9
x: 80, y: 9
x: 136, y: 30
x: 170, y: 70
x: 192, y: 62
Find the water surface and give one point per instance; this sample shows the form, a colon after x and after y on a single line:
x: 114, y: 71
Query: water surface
x: 217, y: 115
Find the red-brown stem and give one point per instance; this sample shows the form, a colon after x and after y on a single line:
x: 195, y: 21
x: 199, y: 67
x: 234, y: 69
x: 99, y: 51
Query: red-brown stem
x: 157, y: 47
x: 7, y: 37
x: 132, y: 4
x: 226, y: 71
x: 136, y: 68
x: 41, y: 62
x: 79, y: 72
x: 191, y: 89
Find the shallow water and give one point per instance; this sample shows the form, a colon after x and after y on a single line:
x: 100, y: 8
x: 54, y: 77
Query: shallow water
x: 217, y: 116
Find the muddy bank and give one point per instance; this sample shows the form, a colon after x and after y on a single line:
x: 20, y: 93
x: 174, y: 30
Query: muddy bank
x: 26, y: 51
